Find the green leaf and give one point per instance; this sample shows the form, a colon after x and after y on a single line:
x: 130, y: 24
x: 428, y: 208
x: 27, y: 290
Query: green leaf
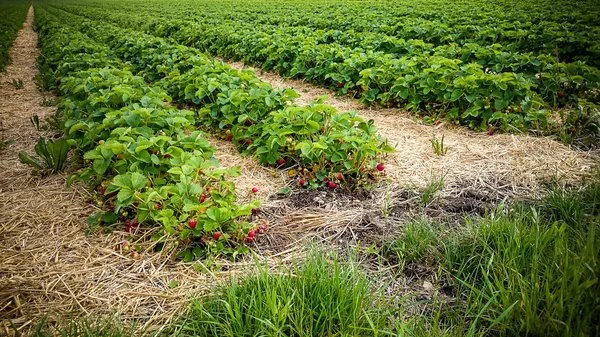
x: 456, y: 95
x: 138, y: 181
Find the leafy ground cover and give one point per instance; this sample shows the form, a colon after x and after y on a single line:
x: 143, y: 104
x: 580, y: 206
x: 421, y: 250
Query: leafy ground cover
x: 149, y: 162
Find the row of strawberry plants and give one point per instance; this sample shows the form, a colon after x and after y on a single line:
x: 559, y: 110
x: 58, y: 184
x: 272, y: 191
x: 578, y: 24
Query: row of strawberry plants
x: 573, y: 36
x: 148, y: 162
x: 11, y: 20
x: 467, y: 93
x: 259, y: 120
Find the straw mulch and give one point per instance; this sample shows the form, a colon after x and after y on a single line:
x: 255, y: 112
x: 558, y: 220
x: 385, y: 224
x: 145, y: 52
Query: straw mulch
x: 513, y: 165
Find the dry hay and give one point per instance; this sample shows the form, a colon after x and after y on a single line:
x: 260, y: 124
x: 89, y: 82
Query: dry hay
x: 515, y: 164
x: 268, y: 180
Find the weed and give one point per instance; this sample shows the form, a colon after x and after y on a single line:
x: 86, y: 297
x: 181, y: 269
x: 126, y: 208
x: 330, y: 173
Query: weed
x: 438, y: 146
x: 17, y: 83
x: 52, y: 153
x: 317, y: 298
x: 35, y: 121
x: 526, y: 270
x: 5, y: 143
x: 48, y: 102
x: 430, y: 191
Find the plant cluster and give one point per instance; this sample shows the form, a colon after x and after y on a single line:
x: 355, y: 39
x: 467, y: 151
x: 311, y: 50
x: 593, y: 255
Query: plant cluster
x: 479, y: 74
x: 149, y: 161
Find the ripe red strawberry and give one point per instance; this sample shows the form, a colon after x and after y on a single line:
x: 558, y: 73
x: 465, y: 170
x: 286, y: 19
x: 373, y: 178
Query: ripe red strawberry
x: 167, y: 155
x: 491, y: 132
x: 302, y: 182
x: 255, y: 210
x: 247, y: 122
x: 254, y: 190
x: 156, y: 206
x: 339, y: 176
x: 251, y: 233
x: 192, y: 223
x: 202, y: 198
x: 561, y: 95
x: 280, y: 161
x: 248, y: 239
x: 249, y: 141
x: 229, y: 138
x: 102, y: 191
x: 380, y: 167
x: 331, y: 184
x: 216, y: 235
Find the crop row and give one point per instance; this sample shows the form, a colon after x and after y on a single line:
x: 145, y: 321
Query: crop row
x: 437, y: 83
x: 149, y: 158
x: 147, y: 161
x: 260, y: 120
x: 572, y: 31
x: 11, y: 20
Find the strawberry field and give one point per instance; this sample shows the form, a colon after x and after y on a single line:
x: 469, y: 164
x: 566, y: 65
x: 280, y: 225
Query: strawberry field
x: 485, y: 67
x: 406, y: 168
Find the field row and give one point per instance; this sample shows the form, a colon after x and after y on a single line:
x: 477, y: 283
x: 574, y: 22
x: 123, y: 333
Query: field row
x: 148, y: 159
x: 474, y: 82
x: 11, y: 20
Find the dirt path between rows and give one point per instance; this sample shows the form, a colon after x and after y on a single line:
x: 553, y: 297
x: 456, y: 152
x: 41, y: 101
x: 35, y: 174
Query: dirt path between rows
x: 504, y: 165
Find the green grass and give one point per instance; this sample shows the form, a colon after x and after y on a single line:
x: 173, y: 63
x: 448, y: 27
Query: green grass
x: 319, y: 297
x: 531, y: 270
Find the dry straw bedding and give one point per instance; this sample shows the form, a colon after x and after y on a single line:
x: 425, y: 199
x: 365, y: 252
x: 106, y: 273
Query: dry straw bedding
x: 49, y: 265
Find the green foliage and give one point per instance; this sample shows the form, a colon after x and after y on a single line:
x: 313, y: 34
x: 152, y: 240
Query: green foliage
x: 317, y: 297
x: 53, y: 155
x: 4, y: 143
x: 433, y: 187
x: 35, y: 121
x: 531, y: 269
x: 447, y: 62
x: 11, y: 20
